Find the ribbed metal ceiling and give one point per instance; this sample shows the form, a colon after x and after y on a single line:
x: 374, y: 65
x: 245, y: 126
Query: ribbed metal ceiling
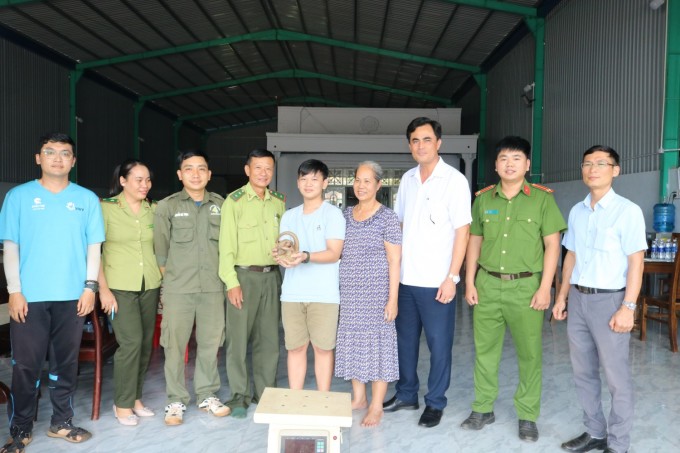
x: 308, y: 71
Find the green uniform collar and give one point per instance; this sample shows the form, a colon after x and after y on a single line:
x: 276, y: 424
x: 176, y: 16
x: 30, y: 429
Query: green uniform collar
x: 207, y: 196
x: 250, y: 193
x: 526, y: 190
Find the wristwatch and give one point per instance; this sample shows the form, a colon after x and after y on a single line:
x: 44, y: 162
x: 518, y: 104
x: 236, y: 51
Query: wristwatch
x: 629, y: 305
x: 92, y: 285
x: 309, y: 255
x: 454, y: 278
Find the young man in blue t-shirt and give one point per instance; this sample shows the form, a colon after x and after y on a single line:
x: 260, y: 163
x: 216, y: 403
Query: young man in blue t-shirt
x: 52, y: 232
x: 310, y: 293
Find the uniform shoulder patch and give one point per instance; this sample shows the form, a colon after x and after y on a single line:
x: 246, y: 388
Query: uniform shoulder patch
x: 109, y: 200
x: 278, y: 195
x: 542, y: 187
x: 486, y: 189
x: 217, y: 197
x: 237, y: 194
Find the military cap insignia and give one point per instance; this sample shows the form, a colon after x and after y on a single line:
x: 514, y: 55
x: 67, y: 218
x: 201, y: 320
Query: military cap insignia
x: 543, y: 188
x: 486, y: 189
x: 237, y: 194
x: 278, y: 195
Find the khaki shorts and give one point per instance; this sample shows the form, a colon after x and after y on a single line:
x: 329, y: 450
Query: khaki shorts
x: 304, y: 322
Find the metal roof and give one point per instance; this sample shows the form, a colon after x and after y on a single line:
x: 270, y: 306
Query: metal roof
x: 216, y: 63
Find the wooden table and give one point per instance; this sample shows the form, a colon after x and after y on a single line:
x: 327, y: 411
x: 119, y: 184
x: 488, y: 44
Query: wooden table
x: 658, y: 267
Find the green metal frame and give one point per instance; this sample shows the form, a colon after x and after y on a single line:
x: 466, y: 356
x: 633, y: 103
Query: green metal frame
x: 18, y: 2
x: 275, y: 35
x: 495, y: 5
x: 671, y: 117
x: 299, y: 74
x: 537, y: 27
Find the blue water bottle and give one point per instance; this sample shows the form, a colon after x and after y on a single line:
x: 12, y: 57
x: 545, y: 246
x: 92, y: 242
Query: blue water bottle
x: 664, y: 217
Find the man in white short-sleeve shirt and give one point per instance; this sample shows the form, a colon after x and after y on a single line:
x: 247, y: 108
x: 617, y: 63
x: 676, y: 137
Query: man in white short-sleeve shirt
x: 433, y: 205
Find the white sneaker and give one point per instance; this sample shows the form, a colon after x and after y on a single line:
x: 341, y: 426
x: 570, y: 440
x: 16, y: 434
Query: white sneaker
x: 174, y: 413
x: 215, y: 407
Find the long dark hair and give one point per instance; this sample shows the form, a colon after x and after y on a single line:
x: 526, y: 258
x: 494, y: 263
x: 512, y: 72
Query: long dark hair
x: 124, y: 170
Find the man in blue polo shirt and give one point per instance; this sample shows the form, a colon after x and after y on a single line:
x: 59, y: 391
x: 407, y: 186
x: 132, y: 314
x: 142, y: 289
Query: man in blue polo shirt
x: 604, y: 264
x: 52, y: 231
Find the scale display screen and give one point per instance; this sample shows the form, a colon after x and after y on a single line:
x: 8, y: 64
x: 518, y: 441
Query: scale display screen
x: 304, y: 444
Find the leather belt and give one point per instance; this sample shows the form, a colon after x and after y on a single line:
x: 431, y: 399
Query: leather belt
x: 587, y: 290
x: 510, y: 276
x: 257, y: 268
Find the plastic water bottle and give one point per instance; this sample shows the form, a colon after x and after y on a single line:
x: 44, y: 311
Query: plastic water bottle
x: 674, y: 248
x: 655, y: 250
x: 664, y: 217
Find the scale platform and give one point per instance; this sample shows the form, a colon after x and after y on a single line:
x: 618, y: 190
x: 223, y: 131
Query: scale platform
x: 304, y: 421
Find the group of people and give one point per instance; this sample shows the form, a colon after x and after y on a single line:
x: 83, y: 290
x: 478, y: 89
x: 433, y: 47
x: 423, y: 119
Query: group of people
x: 360, y: 285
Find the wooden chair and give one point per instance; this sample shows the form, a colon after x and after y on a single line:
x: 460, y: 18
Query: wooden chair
x: 96, y: 347
x: 667, y: 305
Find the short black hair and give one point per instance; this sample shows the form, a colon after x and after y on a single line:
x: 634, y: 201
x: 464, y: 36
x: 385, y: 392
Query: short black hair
x: 184, y: 155
x: 605, y: 149
x: 259, y: 153
x: 57, y: 137
x: 422, y: 121
x: 513, y: 143
x: 312, y: 166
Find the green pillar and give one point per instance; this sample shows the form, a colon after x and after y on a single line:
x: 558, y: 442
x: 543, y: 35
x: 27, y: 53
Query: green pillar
x: 537, y: 27
x: 135, y: 128
x: 481, y: 140
x: 671, y: 123
x: 74, y: 78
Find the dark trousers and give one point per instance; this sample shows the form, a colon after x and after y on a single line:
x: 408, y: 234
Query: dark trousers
x: 53, y: 325
x: 419, y: 310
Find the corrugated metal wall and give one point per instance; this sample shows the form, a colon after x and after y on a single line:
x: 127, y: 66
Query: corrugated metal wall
x: 507, y: 114
x: 104, y: 135
x: 156, y: 149
x: 33, y: 101
x: 604, y: 84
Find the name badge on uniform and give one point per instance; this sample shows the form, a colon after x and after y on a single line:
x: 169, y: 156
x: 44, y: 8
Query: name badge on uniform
x: 491, y: 211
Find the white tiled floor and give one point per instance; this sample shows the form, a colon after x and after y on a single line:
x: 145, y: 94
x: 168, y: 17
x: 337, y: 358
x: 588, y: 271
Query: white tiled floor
x: 657, y: 375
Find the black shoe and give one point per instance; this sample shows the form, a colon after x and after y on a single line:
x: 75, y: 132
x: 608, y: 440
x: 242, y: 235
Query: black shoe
x: 430, y: 417
x: 394, y: 405
x: 528, y: 431
x: 584, y: 442
x: 477, y: 420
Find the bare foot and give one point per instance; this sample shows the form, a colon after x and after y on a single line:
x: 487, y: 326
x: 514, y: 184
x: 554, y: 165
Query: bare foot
x: 362, y: 404
x: 372, y: 418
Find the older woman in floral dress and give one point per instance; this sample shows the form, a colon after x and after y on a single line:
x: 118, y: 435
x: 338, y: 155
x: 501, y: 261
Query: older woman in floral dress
x: 366, y: 348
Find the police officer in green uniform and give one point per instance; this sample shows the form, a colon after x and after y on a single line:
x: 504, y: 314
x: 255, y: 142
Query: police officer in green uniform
x: 515, y: 244
x: 186, y: 235
x: 250, y: 228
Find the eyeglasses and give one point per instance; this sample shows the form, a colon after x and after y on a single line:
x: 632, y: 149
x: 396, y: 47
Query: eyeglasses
x: 600, y: 165
x: 52, y: 153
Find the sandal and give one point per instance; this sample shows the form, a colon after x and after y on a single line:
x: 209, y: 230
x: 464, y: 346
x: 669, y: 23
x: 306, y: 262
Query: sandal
x: 69, y: 433
x: 17, y: 441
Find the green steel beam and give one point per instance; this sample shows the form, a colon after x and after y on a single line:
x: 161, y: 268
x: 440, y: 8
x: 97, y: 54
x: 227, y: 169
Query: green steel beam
x: 74, y: 78
x: 305, y: 99
x: 481, y: 140
x: 295, y: 73
x: 276, y: 35
x: 17, y: 2
x: 537, y: 27
x: 135, y: 128
x: 671, y: 116
x: 495, y: 5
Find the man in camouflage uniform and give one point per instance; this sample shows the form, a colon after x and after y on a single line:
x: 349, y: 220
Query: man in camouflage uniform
x: 186, y: 234
x: 515, y: 242
x: 250, y: 228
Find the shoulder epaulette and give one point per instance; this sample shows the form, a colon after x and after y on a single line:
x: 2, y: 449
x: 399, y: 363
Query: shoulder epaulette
x: 217, y: 196
x: 541, y: 187
x: 109, y: 200
x: 278, y: 195
x: 486, y: 189
x: 237, y: 194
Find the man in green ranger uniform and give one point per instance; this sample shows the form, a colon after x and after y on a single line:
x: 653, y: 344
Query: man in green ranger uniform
x: 515, y: 243
x: 186, y: 234
x: 250, y: 228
